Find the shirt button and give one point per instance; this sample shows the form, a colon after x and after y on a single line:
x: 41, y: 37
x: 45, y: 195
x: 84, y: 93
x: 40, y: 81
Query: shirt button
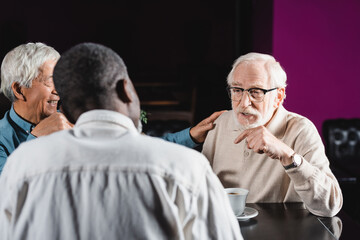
x: 246, y: 154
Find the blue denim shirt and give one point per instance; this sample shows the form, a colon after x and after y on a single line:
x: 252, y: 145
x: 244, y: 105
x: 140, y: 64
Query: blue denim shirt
x: 182, y: 137
x: 13, y: 131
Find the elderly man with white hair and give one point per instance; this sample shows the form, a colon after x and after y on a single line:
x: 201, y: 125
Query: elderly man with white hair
x: 259, y: 145
x: 26, y: 80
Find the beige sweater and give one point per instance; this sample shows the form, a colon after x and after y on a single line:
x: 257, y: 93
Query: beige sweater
x: 237, y: 166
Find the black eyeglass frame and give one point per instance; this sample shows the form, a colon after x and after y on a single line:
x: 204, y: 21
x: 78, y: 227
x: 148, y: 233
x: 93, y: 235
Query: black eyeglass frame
x: 228, y: 88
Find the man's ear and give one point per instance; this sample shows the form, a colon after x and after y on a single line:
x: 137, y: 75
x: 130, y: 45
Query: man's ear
x: 280, y: 95
x: 123, y: 91
x: 17, y: 90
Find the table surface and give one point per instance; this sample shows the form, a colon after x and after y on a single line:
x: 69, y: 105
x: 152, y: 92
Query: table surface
x: 293, y: 221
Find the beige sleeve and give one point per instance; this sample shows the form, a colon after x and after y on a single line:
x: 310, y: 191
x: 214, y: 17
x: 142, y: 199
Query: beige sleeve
x: 313, y: 180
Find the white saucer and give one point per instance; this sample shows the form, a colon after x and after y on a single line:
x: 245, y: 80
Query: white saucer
x: 248, y: 213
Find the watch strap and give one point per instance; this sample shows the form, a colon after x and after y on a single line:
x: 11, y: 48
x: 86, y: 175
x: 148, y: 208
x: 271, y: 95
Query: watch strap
x: 295, y: 163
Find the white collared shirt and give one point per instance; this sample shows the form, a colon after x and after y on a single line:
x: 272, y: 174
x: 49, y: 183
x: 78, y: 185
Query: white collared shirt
x: 104, y: 180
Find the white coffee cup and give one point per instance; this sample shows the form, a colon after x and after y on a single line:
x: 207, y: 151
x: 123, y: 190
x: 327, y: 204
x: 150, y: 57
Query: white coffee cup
x: 237, y: 198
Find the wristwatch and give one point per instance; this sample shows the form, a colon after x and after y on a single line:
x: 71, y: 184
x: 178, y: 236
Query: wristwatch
x: 297, y: 160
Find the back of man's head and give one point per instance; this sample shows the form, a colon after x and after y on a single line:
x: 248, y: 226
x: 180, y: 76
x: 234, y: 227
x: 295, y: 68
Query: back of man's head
x: 86, y: 77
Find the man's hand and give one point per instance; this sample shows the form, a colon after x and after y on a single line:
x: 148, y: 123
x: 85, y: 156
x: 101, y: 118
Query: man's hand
x: 55, y: 122
x: 260, y: 140
x: 199, y: 132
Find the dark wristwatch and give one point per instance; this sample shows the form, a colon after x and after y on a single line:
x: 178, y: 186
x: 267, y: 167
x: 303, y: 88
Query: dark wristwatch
x: 297, y: 160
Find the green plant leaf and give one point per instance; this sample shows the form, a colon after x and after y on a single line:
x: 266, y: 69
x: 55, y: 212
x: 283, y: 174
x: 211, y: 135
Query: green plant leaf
x: 143, y: 117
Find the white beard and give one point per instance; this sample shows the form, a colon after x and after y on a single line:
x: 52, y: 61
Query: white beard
x: 259, y: 122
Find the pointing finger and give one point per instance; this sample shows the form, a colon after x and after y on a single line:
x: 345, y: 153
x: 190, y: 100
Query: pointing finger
x: 241, y: 137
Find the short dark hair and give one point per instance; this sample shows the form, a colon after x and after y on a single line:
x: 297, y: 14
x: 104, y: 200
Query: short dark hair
x: 84, y: 76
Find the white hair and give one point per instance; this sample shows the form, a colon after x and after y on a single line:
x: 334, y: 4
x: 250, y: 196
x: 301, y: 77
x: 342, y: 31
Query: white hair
x: 22, y: 65
x: 276, y: 72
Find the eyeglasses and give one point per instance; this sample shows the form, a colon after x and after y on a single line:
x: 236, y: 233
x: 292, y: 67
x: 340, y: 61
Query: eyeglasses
x: 255, y: 94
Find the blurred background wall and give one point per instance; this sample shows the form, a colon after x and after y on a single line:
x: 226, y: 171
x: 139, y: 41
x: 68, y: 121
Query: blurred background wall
x: 317, y: 42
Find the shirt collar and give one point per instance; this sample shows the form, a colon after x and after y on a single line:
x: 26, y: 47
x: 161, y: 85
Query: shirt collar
x: 22, y: 123
x: 106, y: 116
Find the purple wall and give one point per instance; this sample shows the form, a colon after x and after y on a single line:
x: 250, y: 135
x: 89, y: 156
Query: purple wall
x: 318, y: 44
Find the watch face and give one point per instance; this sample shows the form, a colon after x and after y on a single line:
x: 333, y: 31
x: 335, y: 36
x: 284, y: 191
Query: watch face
x: 297, y: 159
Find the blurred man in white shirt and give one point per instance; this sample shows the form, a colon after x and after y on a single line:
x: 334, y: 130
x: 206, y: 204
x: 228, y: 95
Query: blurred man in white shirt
x: 103, y: 179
